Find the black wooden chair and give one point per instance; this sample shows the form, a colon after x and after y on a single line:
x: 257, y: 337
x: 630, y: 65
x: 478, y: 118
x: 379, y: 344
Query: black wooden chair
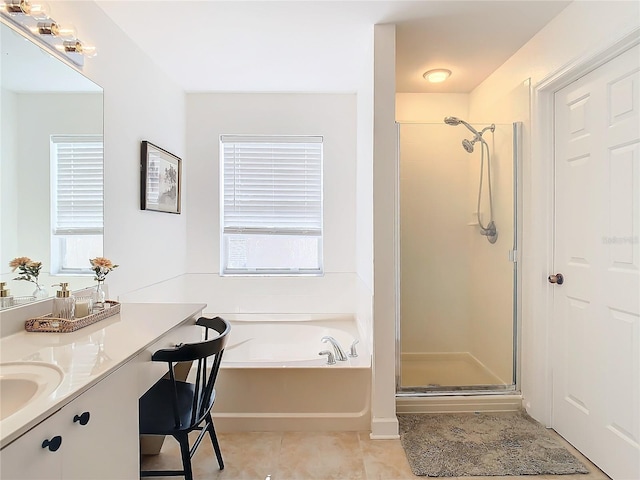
x: 176, y: 408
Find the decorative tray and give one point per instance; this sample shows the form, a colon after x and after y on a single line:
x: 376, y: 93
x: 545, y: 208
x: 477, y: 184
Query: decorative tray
x: 63, y: 325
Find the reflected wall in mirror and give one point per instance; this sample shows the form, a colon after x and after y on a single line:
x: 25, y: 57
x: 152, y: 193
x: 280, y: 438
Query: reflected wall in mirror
x: 51, y: 166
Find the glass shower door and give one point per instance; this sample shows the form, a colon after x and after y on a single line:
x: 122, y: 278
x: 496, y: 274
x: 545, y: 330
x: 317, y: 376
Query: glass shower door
x: 457, y: 325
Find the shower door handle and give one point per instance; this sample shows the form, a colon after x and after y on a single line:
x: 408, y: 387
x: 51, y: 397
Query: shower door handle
x: 557, y: 278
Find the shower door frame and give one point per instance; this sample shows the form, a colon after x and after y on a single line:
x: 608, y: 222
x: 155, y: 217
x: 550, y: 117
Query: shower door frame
x: 514, y: 257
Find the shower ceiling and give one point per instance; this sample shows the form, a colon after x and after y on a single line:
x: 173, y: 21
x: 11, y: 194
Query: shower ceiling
x: 323, y: 46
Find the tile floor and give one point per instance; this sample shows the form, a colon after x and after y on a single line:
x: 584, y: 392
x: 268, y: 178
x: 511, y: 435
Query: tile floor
x: 312, y: 456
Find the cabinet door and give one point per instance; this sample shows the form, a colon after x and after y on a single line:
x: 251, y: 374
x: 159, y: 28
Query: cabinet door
x: 102, y: 430
x: 26, y: 459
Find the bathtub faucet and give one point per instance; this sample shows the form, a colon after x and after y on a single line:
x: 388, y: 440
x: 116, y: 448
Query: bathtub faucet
x: 340, y: 355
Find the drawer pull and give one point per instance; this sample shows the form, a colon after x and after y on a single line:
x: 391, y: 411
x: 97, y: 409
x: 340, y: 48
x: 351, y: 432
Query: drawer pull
x: 83, y: 419
x: 53, y: 444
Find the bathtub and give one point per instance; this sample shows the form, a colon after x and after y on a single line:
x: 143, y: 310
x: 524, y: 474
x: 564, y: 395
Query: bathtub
x: 273, y: 379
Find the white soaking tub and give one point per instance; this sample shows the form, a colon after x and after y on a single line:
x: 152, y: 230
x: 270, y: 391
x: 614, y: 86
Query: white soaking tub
x: 273, y: 378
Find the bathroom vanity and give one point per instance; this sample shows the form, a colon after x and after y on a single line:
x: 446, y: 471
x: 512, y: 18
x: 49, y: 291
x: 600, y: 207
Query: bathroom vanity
x: 70, y: 404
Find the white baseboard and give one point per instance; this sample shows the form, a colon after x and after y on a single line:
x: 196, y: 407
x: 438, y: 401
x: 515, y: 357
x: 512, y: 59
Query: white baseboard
x: 384, y: 429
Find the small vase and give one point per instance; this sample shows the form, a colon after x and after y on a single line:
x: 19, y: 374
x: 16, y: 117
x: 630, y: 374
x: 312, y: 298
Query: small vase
x: 99, y: 296
x: 40, y: 292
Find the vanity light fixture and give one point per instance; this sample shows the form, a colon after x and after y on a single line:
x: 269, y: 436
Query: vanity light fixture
x: 33, y: 19
x: 38, y: 11
x: 437, y: 75
x: 52, y: 28
x: 76, y: 46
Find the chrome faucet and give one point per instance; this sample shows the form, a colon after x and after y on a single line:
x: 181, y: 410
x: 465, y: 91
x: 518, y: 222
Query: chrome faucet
x: 340, y: 355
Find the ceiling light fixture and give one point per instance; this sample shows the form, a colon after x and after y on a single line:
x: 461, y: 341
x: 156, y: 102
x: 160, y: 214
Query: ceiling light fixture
x: 437, y: 75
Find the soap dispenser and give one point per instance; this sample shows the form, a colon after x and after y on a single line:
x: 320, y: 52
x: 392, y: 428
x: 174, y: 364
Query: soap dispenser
x: 6, y: 299
x: 64, y: 305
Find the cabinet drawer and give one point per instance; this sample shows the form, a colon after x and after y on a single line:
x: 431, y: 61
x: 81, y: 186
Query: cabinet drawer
x: 26, y: 459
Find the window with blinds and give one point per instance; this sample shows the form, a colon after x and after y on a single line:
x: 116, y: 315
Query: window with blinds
x: 271, y: 218
x: 77, y: 201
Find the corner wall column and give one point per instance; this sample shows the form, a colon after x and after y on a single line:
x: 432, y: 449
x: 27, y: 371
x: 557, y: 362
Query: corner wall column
x: 384, y: 423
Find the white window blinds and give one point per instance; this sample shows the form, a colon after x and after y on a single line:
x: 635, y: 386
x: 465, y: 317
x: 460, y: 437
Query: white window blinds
x: 272, y: 184
x: 77, y: 184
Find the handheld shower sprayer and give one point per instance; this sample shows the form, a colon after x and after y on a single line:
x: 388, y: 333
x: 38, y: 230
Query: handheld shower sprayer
x: 455, y: 121
x: 489, y: 230
x: 477, y: 135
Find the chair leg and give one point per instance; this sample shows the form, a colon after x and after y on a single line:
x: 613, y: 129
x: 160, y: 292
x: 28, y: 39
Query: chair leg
x: 183, y: 440
x: 214, y: 440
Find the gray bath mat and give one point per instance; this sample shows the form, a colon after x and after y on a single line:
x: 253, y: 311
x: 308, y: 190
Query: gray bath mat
x: 482, y: 444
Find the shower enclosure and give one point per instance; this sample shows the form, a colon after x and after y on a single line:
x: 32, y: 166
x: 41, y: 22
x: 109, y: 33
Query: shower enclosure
x: 457, y: 257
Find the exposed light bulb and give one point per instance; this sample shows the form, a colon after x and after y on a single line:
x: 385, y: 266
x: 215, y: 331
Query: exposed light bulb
x: 14, y: 7
x: 437, y: 75
x: 38, y: 11
x: 89, y: 51
x: 76, y: 46
x: 53, y: 28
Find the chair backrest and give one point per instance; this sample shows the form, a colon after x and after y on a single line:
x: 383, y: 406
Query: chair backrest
x: 208, y: 355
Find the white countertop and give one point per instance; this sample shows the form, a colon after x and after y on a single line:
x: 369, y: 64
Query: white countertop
x: 87, y: 355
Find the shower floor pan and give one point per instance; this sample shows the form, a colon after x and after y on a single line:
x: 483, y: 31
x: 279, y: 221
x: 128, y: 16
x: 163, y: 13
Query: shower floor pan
x: 443, y: 371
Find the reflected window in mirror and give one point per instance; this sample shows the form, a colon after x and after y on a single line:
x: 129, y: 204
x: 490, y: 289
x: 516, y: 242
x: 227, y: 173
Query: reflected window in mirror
x: 41, y: 97
x: 77, y: 196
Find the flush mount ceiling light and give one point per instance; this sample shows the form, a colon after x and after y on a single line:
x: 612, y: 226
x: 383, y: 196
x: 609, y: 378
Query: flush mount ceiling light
x: 437, y: 75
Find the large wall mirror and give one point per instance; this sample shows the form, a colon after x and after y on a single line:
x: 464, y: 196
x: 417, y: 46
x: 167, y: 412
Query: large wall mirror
x: 51, y: 158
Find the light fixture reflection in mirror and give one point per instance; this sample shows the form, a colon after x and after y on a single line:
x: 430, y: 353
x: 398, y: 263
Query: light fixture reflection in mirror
x: 42, y: 99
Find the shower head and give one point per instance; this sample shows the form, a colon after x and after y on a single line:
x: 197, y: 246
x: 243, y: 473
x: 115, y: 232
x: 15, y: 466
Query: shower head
x: 468, y: 145
x: 454, y: 121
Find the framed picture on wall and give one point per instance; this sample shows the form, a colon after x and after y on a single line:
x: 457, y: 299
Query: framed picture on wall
x: 161, y: 177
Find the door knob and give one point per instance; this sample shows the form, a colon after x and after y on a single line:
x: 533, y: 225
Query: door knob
x: 557, y: 278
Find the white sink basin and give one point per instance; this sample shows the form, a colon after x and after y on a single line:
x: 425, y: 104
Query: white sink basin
x: 21, y: 383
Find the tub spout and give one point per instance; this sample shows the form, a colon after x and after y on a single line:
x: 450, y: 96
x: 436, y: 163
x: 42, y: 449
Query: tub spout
x: 340, y: 355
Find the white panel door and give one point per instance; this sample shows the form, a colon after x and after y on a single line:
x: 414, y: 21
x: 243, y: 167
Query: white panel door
x: 596, y: 341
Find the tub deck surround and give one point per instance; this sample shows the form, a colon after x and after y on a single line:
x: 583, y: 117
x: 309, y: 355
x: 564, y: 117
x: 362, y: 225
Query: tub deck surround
x: 291, y: 341
x: 272, y: 378
x: 88, y: 355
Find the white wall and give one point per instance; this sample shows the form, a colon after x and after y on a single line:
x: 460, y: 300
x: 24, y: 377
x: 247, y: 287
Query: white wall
x: 431, y: 107
x: 364, y: 201
x: 434, y: 240
x: 140, y: 103
x: 333, y: 116
x: 581, y: 30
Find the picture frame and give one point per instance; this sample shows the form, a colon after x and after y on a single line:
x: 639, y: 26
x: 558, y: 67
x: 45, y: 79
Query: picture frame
x: 160, y: 179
